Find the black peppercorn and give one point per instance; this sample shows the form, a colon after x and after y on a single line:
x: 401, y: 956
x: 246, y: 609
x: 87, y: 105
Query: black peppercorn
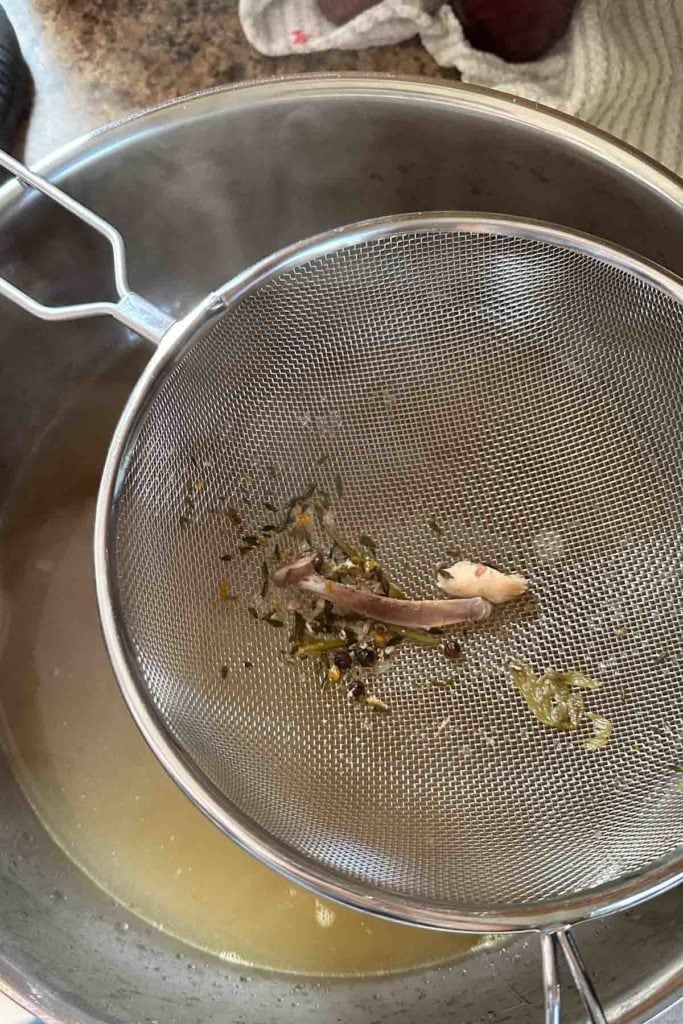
x: 342, y: 660
x: 357, y: 690
x: 452, y: 649
x: 365, y: 656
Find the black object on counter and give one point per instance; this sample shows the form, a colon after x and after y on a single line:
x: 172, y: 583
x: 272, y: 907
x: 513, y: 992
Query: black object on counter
x: 516, y: 30
x: 341, y: 11
x: 16, y: 84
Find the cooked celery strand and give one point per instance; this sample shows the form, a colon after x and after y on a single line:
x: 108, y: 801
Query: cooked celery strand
x: 418, y: 636
x: 320, y: 646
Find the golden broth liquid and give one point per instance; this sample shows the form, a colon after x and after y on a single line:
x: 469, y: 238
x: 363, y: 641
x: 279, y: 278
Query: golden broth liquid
x: 99, y: 790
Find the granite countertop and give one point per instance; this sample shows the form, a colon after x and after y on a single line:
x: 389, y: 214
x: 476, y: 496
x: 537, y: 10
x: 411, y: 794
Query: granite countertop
x: 94, y: 61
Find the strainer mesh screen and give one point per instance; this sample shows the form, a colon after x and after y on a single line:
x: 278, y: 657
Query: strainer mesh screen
x: 527, y: 398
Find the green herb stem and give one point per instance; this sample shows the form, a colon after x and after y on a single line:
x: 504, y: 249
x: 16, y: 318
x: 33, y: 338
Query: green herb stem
x: 417, y: 636
x: 332, y: 643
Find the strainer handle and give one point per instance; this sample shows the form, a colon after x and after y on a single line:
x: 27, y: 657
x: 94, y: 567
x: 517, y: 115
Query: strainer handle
x: 132, y: 310
x: 551, y: 945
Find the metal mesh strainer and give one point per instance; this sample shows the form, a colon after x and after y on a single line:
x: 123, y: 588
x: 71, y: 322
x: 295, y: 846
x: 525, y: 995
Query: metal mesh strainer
x: 521, y: 385
x: 525, y: 396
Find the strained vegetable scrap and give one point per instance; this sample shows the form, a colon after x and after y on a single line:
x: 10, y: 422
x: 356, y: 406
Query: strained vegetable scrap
x: 473, y: 579
x: 550, y: 698
x: 346, y: 613
x: 345, y: 610
x: 556, y: 700
x: 303, y: 574
x: 602, y: 732
x: 340, y: 608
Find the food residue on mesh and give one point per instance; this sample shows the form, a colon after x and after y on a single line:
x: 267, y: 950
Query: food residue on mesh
x: 602, y: 732
x: 337, y: 601
x: 557, y: 700
x: 339, y: 606
x: 376, y: 702
x: 443, y: 725
x: 309, y: 573
x: 473, y: 579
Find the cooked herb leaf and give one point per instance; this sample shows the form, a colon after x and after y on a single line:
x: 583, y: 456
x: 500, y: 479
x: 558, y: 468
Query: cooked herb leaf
x: 344, y: 545
x: 298, y: 629
x: 224, y: 672
x: 367, y: 542
x: 319, y: 509
x: 265, y: 578
x: 339, y: 485
x: 434, y: 526
x: 272, y: 620
x: 234, y: 516
x: 390, y: 588
x: 287, y: 514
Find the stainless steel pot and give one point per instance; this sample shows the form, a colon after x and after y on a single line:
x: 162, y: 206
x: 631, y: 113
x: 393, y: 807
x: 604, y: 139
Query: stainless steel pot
x: 245, y: 172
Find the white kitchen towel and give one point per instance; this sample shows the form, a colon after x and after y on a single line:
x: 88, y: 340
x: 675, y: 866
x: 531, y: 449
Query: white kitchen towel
x: 620, y: 66
x: 10, y: 1013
